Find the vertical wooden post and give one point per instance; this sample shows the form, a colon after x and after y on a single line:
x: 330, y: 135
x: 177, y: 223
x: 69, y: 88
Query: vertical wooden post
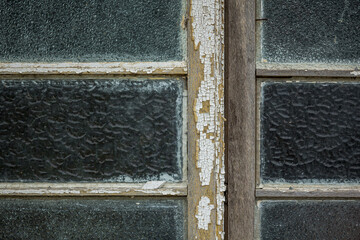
x: 206, y: 119
x: 240, y: 108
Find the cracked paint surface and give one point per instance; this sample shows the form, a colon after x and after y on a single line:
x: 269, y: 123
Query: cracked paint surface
x: 204, y: 212
x: 208, y: 35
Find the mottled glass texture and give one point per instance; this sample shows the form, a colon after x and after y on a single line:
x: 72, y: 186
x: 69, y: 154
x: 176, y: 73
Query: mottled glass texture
x: 108, y: 130
x: 322, y: 31
x: 310, y: 132
x: 92, y: 219
x: 91, y: 30
x: 305, y: 220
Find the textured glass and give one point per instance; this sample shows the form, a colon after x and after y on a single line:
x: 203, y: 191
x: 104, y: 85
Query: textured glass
x: 298, y: 31
x: 310, y: 220
x: 116, y: 130
x: 91, y: 30
x: 310, y: 132
x: 92, y: 219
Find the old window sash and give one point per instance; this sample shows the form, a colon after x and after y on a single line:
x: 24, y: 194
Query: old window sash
x: 244, y: 73
x: 205, y: 185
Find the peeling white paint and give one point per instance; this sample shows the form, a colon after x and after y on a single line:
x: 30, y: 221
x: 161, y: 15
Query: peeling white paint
x: 95, y: 68
x: 208, y: 35
x: 39, y: 192
x: 355, y: 73
x: 165, y: 192
x: 203, y: 213
x: 160, y: 188
x: 150, y: 185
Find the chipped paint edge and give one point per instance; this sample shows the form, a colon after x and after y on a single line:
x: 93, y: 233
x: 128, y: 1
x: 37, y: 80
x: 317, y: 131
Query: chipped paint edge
x: 203, y: 213
x: 152, y: 188
x: 207, y: 34
x: 125, y: 68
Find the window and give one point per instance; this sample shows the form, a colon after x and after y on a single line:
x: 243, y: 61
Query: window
x: 112, y: 119
x: 293, y: 112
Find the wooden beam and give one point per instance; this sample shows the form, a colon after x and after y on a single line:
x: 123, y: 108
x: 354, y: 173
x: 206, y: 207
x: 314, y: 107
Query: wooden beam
x: 240, y: 104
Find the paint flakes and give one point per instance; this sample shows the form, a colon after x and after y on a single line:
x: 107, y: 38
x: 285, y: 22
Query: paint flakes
x: 208, y: 36
x: 203, y: 213
x: 150, y: 185
x: 355, y: 73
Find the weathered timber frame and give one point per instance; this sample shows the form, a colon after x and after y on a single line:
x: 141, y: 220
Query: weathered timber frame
x: 240, y: 108
x: 243, y: 74
x: 206, y: 178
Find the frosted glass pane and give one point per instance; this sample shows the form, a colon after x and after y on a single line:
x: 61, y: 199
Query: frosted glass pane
x: 91, y: 30
x: 310, y: 132
x: 108, y: 130
x: 297, y: 31
x: 92, y: 219
x: 305, y: 220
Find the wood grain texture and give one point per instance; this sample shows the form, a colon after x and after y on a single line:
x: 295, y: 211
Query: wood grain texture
x: 240, y: 67
x: 307, y: 73
x: 293, y: 192
x: 205, y: 120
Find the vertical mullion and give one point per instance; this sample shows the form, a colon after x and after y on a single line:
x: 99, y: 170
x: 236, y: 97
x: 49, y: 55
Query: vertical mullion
x: 206, y: 119
x: 240, y: 104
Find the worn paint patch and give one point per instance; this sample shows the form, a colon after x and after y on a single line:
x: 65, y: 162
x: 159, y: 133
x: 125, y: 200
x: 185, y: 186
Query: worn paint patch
x: 355, y: 73
x: 128, y: 68
x: 203, y: 213
x: 150, y: 185
x: 208, y: 35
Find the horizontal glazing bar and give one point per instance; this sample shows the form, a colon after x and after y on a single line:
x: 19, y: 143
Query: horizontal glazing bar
x: 151, y: 188
x: 124, y: 68
x: 307, y: 70
x: 308, y: 191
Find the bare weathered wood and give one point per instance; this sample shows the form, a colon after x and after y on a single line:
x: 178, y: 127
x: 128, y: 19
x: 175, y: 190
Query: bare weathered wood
x: 307, y: 70
x: 299, y: 191
x: 94, y: 189
x: 124, y: 68
x: 307, y: 73
x: 205, y: 120
x: 240, y: 66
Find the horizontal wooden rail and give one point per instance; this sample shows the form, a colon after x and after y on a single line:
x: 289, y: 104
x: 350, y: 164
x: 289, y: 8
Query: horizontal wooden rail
x: 152, y: 188
x: 124, y: 68
x: 326, y: 191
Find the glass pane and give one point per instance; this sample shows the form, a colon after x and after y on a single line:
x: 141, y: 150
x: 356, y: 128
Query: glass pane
x: 296, y: 31
x: 310, y: 132
x: 92, y: 219
x: 305, y: 220
x: 95, y: 30
x: 108, y: 130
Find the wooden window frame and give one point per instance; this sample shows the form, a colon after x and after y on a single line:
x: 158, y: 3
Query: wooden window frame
x: 242, y: 71
x: 204, y: 69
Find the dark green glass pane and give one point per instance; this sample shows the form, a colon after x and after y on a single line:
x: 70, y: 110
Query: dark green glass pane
x: 91, y: 30
x: 297, y: 31
x: 108, y: 130
x: 305, y: 220
x: 92, y: 219
x: 310, y: 132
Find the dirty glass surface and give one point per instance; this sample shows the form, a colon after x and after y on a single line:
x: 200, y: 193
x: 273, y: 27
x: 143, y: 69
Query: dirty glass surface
x: 92, y: 219
x: 107, y: 130
x: 310, y: 132
x: 304, y: 220
x: 297, y: 31
x: 95, y: 30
